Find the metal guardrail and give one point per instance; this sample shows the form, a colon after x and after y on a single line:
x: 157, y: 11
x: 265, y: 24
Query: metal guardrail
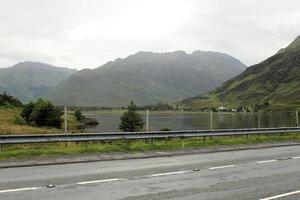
x: 48, y: 138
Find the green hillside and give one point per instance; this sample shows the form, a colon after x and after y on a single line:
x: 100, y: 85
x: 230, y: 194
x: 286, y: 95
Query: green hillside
x: 274, y: 82
x: 147, y: 78
x: 30, y: 80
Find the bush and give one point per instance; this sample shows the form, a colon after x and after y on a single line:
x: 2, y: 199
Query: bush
x: 78, y: 115
x: 131, y: 121
x: 165, y: 129
x: 19, y: 120
x: 26, y: 112
x: 42, y: 113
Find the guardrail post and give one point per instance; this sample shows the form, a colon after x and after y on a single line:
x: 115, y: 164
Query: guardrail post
x: 152, y: 141
x: 204, y: 139
x: 166, y: 138
x: 2, y: 147
x: 86, y: 144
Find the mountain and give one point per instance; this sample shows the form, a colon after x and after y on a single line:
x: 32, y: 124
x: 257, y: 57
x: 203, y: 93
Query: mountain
x: 147, y: 78
x: 30, y: 80
x: 274, y: 82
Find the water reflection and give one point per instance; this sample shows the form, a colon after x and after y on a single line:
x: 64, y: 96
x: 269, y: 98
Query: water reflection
x: 109, y: 122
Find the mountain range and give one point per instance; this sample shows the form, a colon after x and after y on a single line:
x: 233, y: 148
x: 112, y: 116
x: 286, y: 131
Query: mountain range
x: 274, y: 82
x: 146, y: 78
x: 31, y: 80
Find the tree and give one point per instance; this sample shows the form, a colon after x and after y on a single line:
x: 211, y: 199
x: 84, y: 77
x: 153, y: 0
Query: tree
x: 7, y: 100
x: 78, y: 115
x: 26, y: 112
x: 42, y: 113
x: 131, y: 121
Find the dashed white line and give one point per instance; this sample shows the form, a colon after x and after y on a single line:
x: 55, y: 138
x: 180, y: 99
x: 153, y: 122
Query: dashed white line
x: 20, y: 189
x: 282, y: 195
x: 161, y: 174
x: 100, y: 181
x: 168, y: 173
x: 221, y: 167
x: 266, y: 161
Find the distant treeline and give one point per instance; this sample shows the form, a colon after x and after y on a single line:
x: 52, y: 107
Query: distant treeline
x: 158, y: 107
x: 7, y: 100
x: 265, y: 106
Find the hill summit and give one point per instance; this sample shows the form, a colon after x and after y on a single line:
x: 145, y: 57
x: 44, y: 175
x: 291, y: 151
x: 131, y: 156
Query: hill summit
x: 147, y: 78
x: 30, y: 80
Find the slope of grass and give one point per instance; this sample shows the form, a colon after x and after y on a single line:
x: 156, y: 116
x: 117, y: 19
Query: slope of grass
x: 8, y: 125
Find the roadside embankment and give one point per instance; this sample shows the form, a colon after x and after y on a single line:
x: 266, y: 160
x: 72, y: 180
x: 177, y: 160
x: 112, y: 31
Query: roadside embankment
x: 100, y: 150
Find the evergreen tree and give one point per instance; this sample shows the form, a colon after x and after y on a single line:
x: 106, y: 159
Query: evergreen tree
x: 131, y: 121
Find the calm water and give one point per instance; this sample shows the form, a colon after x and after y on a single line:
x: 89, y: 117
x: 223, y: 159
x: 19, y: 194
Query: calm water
x: 108, y: 122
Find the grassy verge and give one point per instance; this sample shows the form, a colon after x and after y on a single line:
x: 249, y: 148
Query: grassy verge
x: 49, y: 150
x: 8, y: 125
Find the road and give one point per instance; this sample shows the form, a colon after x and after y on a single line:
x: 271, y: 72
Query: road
x: 272, y: 173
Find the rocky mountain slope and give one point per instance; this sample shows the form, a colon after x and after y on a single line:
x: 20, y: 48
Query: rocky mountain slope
x: 147, y: 78
x: 274, y: 82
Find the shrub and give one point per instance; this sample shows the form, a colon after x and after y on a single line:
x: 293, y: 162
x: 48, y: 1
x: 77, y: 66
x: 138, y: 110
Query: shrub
x: 26, y: 112
x: 19, y: 120
x: 165, y: 129
x: 42, y: 113
x: 78, y: 115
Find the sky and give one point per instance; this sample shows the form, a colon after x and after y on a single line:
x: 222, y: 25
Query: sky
x: 88, y: 33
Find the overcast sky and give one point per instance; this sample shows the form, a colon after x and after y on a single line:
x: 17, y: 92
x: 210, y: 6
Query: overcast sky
x: 88, y: 33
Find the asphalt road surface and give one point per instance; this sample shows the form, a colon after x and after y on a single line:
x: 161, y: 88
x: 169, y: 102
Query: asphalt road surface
x: 266, y: 174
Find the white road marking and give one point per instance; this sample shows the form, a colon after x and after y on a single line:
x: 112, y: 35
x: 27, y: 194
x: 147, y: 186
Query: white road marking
x: 221, y: 167
x: 266, y: 161
x: 20, y: 189
x: 297, y: 157
x: 169, y: 173
x: 100, y: 181
x: 282, y: 195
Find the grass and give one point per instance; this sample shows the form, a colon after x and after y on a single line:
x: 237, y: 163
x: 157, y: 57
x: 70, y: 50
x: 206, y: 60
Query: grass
x: 59, y: 149
x: 8, y: 125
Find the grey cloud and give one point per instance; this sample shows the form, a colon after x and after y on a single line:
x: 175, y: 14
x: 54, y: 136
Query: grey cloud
x: 79, y: 33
